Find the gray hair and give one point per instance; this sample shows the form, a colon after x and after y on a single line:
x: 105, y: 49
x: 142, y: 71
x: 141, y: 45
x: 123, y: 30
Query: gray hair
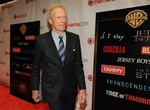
x: 53, y: 7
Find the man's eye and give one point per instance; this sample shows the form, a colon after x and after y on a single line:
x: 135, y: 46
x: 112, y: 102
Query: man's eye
x: 65, y: 17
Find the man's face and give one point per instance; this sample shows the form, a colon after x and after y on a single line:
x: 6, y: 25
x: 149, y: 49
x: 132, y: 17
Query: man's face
x: 58, y: 20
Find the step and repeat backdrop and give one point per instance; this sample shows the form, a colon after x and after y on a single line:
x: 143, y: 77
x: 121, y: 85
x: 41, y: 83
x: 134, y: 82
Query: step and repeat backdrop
x: 81, y: 20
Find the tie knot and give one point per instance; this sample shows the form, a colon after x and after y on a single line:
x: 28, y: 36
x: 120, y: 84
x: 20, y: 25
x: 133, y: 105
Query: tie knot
x: 60, y: 37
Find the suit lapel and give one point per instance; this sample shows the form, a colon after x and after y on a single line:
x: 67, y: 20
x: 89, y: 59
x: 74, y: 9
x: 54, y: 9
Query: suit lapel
x: 68, y: 45
x: 51, y: 44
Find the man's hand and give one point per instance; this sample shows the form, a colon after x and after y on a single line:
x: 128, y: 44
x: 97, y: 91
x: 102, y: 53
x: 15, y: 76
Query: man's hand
x: 82, y: 96
x: 36, y: 95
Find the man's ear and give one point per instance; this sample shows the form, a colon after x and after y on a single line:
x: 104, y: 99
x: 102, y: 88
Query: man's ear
x: 50, y: 20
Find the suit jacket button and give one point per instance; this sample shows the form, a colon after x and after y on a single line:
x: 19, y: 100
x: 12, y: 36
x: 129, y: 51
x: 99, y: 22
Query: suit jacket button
x: 61, y: 80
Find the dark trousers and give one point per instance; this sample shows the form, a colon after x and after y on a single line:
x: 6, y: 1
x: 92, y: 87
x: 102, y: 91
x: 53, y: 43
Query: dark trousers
x: 62, y: 103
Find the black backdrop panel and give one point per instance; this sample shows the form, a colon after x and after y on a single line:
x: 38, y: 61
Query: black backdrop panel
x: 21, y: 56
x: 122, y: 60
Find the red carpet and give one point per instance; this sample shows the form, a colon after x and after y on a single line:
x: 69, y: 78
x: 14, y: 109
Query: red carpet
x: 10, y: 102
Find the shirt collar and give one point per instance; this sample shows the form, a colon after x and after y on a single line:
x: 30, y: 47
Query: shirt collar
x: 57, y: 35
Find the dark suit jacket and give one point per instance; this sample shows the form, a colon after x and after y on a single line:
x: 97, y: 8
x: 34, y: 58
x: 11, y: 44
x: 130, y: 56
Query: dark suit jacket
x: 46, y: 58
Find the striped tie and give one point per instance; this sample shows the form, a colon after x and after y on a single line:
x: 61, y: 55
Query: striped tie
x: 61, y: 49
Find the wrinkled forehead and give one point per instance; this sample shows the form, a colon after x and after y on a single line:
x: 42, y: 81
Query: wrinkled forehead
x: 58, y: 10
